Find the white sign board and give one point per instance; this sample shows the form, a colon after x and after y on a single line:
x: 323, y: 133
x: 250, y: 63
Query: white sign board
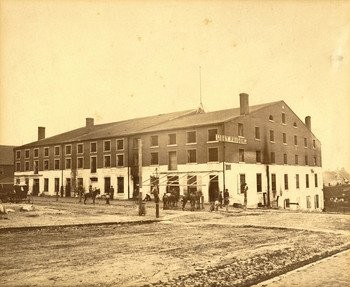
x: 231, y: 139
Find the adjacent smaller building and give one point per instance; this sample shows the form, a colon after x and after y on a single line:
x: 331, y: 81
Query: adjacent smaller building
x: 6, y: 166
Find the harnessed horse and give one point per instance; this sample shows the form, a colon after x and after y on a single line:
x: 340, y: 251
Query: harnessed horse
x: 91, y: 194
x: 194, y: 197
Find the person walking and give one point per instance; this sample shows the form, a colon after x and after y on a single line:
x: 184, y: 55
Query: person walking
x: 111, y: 192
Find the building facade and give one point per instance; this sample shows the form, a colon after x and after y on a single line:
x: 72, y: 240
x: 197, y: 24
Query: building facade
x: 265, y: 146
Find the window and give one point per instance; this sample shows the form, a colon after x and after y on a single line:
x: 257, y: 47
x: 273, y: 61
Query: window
x: 191, y: 156
x: 305, y: 142
x: 93, y: 147
x: 283, y: 118
x: 273, y: 182
x: 46, y: 184
x: 154, y: 141
x: 57, y: 185
x: 120, y: 184
x: 120, y: 144
x: 36, y: 152
x: 272, y: 157
x: 191, y: 183
x: 172, y: 139
x: 80, y: 162
x: 308, y: 201
x: 240, y: 130
x: 271, y: 118
x: 154, y: 158
x: 120, y: 160
x: 46, y: 164
x: 307, y: 180
x: 18, y: 166
x: 27, y: 153
x: 286, y: 181
x: 57, y: 151
x: 242, y: 182
x: 258, y: 156
x: 296, y: 159
x: 295, y: 124
x: 135, y: 143
x: 285, y: 159
x: 36, y: 167
x: 315, y: 160
x: 241, y: 155
x: 191, y: 137
x: 107, y: 161
x: 306, y: 160
x: 57, y: 164
x: 284, y: 136
x: 93, y: 164
x: 212, y: 134
x: 257, y: 133
x: 46, y: 151
x: 297, y: 185
x: 316, y: 181
x: 80, y: 182
x: 172, y: 160
x: 313, y: 144
x: 68, y: 149
x: 213, y: 154
x: 258, y: 182
x: 107, y: 146
x: 26, y: 166
x: 272, y: 136
x: 80, y: 148
x: 18, y: 154
x: 295, y: 140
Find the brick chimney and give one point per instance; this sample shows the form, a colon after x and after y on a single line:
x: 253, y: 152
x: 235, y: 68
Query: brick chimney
x: 41, y: 133
x: 308, y: 122
x: 244, y: 103
x: 89, y: 122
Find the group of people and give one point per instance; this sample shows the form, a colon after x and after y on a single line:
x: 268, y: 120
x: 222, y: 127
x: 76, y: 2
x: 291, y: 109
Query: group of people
x: 222, y: 199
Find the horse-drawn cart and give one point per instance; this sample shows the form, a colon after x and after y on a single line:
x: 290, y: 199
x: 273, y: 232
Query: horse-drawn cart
x: 15, y: 193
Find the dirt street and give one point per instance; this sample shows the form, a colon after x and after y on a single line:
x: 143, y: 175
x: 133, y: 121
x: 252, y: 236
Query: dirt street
x: 237, y: 248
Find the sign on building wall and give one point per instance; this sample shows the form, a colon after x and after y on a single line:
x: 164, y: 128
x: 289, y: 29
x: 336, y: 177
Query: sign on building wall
x: 231, y: 139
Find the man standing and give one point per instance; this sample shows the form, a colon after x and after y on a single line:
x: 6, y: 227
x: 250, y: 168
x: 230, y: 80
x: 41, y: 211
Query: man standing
x: 226, y: 198
x: 245, y: 191
x: 111, y: 192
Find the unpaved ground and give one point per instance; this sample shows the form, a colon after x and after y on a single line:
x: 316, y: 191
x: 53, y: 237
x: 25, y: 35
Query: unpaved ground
x: 183, y: 249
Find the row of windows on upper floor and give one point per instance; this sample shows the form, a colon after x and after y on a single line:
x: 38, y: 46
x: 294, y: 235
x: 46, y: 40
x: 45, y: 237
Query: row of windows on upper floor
x: 191, y: 138
x: 213, y: 156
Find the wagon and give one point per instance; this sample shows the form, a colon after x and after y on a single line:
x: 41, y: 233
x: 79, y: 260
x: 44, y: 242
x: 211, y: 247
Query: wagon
x: 15, y: 193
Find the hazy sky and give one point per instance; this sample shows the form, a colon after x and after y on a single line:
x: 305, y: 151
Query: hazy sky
x: 63, y: 61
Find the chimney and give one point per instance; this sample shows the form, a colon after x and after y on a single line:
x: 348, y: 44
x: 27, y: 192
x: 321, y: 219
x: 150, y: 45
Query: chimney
x: 41, y: 133
x: 244, y: 103
x: 89, y: 122
x: 308, y: 122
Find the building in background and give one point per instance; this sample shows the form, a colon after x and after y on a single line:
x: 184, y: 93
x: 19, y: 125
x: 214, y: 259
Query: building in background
x: 6, y: 167
x: 265, y: 146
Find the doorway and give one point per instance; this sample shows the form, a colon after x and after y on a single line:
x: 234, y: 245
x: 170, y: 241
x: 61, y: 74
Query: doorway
x: 36, y: 187
x: 213, y: 187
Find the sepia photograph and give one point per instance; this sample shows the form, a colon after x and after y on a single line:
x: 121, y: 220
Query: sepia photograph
x: 174, y: 143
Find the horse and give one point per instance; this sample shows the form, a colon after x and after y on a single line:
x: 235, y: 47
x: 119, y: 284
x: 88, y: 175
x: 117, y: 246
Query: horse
x: 91, y: 194
x: 169, y: 200
x: 194, y: 197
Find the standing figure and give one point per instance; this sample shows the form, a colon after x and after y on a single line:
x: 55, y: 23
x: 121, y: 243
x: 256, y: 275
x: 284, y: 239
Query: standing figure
x: 226, y: 199
x: 245, y: 191
x: 111, y: 192
x: 220, y: 199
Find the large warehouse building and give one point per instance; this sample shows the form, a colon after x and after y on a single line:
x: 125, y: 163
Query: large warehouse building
x: 266, y: 146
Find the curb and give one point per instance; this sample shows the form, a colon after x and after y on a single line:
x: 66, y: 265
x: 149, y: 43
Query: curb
x: 40, y: 227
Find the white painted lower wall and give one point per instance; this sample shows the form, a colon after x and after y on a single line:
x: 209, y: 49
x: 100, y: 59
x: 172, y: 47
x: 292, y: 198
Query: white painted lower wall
x: 203, y: 171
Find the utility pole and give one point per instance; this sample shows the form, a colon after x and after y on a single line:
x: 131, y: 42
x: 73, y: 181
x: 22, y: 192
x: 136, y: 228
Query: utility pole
x: 142, y: 210
x: 156, y: 196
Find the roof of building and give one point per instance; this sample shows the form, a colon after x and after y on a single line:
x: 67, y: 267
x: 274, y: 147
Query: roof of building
x: 175, y: 120
x: 6, y: 154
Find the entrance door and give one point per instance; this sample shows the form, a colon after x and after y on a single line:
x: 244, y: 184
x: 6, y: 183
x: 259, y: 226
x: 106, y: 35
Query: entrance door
x: 68, y: 187
x: 36, y: 186
x: 317, y: 204
x: 107, y: 184
x: 213, y: 187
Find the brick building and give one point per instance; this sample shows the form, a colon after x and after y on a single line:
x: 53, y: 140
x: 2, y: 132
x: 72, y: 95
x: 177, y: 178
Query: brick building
x: 266, y: 146
x: 6, y: 166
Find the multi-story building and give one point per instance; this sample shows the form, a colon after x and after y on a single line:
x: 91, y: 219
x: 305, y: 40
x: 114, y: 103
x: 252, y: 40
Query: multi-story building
x: 266, y: 146
x: 6, y: 167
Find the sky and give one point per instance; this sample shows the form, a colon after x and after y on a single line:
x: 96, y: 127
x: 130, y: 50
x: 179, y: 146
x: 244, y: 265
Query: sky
x: 63, y: 61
